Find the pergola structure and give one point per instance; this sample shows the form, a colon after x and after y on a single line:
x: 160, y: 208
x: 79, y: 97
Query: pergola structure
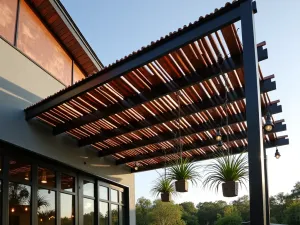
x: 129, y: 110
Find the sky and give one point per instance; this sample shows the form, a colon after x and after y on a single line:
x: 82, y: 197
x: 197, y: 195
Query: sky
x: 116, y: 28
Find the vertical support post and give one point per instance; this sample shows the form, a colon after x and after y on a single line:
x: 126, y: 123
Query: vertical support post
x: 254, y: 124
x: 267, y: 189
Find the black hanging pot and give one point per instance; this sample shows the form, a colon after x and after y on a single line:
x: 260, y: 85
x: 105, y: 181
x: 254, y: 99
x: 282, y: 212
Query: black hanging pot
x: 181, y: 185
x: 165, y: 197
x: 230, y: 189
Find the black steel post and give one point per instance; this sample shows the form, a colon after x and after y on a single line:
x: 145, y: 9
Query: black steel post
x: 267, y: 189
x: 254, y: 124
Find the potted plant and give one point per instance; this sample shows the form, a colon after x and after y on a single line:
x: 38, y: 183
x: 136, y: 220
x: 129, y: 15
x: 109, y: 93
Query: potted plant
x: 163, y: 187
x: 182, y: 171
x: 228, y: 170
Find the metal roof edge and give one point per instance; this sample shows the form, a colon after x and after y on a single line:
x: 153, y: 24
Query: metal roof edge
x: 69, y: 22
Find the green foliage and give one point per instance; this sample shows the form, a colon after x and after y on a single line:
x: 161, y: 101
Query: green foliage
x: 278, y: 205
x: 208, y: 212
x: 231, y: 210
x: 296, y: 191
x: 183, y: 169
x: 230, y: 220
x: 166, y: 213
x: 163, y: 185
x: 242, y: 204
x: 292, y: 214
x: 189, y: 215
x: 143, y: 207
x: 226, y: 168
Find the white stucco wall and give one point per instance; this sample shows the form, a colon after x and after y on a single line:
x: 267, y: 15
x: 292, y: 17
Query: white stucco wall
x: 23, y: 83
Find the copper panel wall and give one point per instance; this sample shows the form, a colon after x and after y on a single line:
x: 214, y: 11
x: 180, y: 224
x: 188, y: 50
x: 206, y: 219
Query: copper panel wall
x: 8, y: 13
x: 38, y: 43
x: 77, y: 74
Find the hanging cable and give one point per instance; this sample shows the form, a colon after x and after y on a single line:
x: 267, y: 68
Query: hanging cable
x: 179, y: 123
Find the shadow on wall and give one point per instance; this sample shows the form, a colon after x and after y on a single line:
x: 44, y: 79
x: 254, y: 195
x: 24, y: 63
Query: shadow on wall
x: 35, y: 134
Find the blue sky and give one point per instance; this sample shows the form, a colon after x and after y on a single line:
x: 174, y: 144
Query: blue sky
x: 116, y: 28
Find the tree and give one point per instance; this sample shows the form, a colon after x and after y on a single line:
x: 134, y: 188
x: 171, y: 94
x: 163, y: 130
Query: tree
x: 230, y: 220
x: 242, y: 204
x: 166, y: 213
x: 296, y: 191
x: 143, y: 208
x: 278, y: 204
x: 208, y: 212
x: 292, y: 214
x: 231, y: 210
x: 189, y: 215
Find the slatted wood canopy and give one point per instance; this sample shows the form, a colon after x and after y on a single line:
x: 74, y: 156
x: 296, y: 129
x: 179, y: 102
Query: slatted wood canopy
x: 129, y: 110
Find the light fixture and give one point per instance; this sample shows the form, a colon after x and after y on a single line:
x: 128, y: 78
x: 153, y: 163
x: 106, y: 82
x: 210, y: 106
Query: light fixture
x: 26, y: 209
x: 26, y: 176
x: 12, y: 210
x: 44, y: 178
x: 269, y: 124
x: 220, y: 144
x: 218, y: 135
x: 277, y: 154
x: 136, y: 168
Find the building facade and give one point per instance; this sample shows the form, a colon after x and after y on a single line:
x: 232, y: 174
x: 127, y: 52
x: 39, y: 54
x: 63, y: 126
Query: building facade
x: 46, y: 179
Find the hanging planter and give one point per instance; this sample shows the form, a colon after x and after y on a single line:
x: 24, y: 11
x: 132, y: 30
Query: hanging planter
x: 163, y: 187
x: 182, y: 172
x: 230, y: 171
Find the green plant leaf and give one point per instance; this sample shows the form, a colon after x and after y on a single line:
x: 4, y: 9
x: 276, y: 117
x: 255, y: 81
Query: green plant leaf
x: 183, y: 169
x: 224, y: 168
x: 162, y: 185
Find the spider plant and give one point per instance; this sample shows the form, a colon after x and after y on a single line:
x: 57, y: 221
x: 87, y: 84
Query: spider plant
x: 182, y: 171
x: 228, y: 170
x: 164, y: 187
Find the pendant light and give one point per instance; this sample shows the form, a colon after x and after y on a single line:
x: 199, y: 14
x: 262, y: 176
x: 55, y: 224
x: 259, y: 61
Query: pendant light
x: 44, y: 178
x: 26, y: 176
x: 269, y: 124
x: 218, y: 135
x: 136, y: 168
x: 277, y: 154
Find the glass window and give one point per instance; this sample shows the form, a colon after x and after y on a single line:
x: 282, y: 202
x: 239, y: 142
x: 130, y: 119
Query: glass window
x: 114, y: 214
x: 0, y: 165
x: 19, y: 204
x: 67, y: 183
x: 0, y: 199
x: 19, y: 171
x: 88, y: 188
x: 46, y: 177
x: 67, y: 209
x: 122, y: 198
x: 103, y: 193
x: 88, y: 211
x: 46, y: 207
x: 103, y: 213
x: 114, y: 195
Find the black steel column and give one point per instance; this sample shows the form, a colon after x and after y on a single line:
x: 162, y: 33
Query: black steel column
x: 254, y: 124
x: 267, y: 188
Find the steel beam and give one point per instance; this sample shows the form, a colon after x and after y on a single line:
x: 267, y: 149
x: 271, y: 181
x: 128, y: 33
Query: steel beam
x: 279, y: 126
x: 211, y: 155
x: 266, y: 86
x: 253, y: 106
x: 205, y: 26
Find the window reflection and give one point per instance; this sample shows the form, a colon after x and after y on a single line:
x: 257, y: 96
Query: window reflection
x: 114, y: 195
x: 114, y: 214
x: 103, y: 213
x: 19, y: 204
x: 0, y: 165
x: 88, y: 211
x: 46, y: 177
x: 67, y: 183
x: 67, y: 207
x: 103, y: 193
x: 0, y: 198
x: 88, y: 188
x: 46, y: 207
x: 19, y: 171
